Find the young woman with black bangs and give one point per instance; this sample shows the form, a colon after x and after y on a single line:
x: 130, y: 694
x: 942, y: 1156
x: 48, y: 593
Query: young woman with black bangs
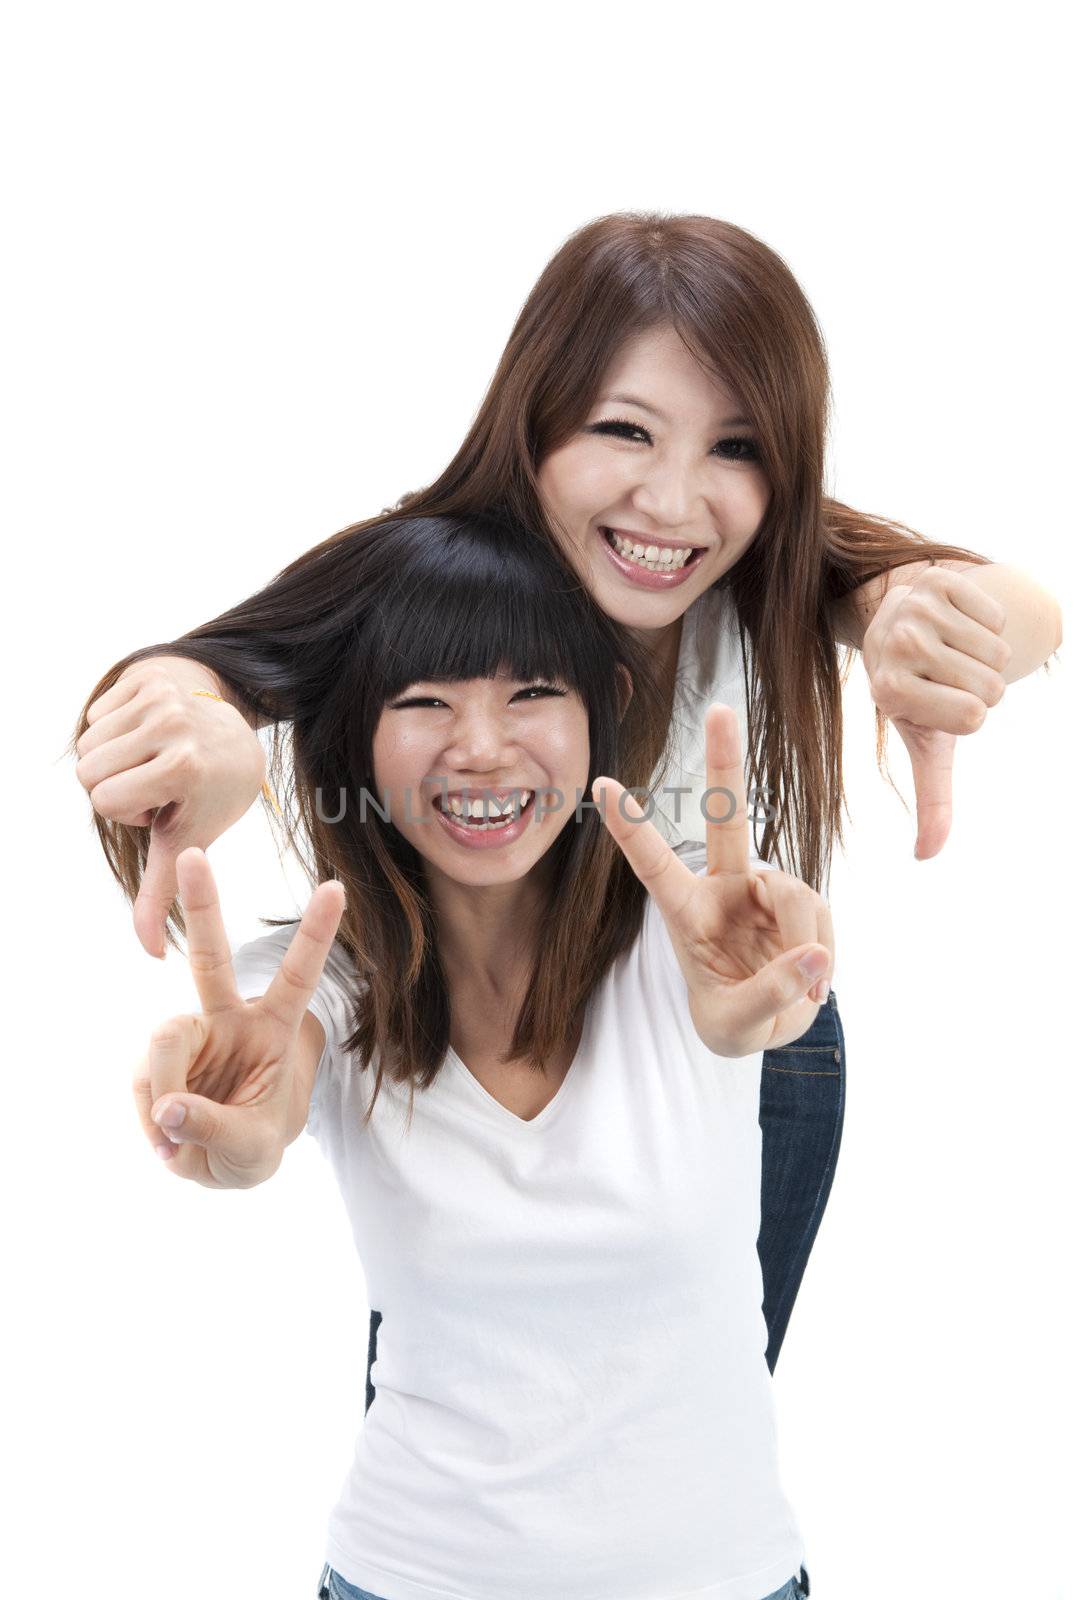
x: 538, y: 1086
x: 659, y: 418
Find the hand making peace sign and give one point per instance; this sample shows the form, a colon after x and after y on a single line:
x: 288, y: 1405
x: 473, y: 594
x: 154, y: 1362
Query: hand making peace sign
x: 232, y: 1064
x: 739, y: 934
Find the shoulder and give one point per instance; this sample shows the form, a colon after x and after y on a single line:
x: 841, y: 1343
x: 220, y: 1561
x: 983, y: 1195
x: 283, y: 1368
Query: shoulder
x: 265, y: 955
x: 335, y: 996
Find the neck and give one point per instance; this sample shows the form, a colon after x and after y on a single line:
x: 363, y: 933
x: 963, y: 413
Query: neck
x: 664, y: 645
x: 487, y: 936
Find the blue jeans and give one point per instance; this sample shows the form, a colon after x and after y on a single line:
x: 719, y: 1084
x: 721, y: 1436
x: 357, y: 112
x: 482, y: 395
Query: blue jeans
x: 333, y: 1586
x: 802, y: 1100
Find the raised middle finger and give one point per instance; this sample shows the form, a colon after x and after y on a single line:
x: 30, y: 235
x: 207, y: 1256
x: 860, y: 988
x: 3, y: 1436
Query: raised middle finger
x: 726, y: 812
x: 293, y: 985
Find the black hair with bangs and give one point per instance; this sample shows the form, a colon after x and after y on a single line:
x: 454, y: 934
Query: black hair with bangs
x: 444, y: 599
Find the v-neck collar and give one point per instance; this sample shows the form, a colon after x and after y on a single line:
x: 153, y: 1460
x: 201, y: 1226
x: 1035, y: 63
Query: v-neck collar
x: 546, y: 1114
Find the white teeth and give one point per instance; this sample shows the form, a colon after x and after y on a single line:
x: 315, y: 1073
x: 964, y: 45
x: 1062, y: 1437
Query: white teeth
x: 656, y: 558
x: 500, y: 812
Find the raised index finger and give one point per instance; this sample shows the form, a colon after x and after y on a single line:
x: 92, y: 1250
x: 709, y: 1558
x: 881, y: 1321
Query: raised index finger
x: 665, y: 877
x: 294, y: 984
x: 726, y: 813
x: 209, y: 955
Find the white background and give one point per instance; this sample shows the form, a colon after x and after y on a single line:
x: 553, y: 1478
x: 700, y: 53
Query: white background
x: 261, y: 263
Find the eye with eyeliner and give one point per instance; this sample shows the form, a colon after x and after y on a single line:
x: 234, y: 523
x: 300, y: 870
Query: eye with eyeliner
x: 620, y: 427
x: 542, y: 689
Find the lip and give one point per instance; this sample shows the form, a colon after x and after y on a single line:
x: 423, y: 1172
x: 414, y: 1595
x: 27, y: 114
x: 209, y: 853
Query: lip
x: 487, y: 838
x: 640, y: 575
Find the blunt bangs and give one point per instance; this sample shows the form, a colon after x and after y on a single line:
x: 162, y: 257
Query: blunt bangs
x: 474, y: 598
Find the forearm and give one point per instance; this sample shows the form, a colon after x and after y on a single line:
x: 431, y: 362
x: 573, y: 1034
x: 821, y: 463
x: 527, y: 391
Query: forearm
x: 1032, y: 628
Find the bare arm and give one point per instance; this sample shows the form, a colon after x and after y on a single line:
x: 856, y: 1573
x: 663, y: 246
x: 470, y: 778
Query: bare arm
x: 1032, y: 627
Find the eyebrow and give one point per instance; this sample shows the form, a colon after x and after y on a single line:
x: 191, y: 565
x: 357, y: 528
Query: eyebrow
x: 632, y: 400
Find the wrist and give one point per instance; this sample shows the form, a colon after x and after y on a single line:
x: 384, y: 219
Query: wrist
x: 193, y: 676
x: 186, y: 673
x: 852, y: 614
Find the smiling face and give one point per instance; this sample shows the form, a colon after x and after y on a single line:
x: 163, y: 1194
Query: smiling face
x: 661, y: 490
x: 511, y: 737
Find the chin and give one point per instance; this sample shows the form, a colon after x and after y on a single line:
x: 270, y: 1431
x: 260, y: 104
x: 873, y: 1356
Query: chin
x: 485, y: 874
x: 644, y: 609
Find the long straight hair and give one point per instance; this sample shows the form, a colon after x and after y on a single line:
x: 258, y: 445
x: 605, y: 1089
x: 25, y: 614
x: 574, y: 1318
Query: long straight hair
x: 742, y: 313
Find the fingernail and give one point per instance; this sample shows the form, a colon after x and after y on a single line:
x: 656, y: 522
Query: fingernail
x: 172, y: 1116
x: 813, y: 964
x: 165, y: 1150
x: 821, y: 992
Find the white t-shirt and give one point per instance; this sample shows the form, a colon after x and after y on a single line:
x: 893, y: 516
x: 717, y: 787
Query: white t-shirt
x: 571, y: 1396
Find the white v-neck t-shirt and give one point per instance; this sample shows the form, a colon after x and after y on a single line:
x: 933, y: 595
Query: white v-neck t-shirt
x: 572, y: 1400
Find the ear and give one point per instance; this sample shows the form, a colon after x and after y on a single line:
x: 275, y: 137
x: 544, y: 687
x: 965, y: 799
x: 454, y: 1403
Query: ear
x: 624, y: 688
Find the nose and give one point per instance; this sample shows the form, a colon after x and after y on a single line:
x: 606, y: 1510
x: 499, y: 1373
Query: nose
x: 668, y: 490
x: 480, y: 743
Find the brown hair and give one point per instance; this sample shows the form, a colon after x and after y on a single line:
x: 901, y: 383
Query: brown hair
x: 738, y: 308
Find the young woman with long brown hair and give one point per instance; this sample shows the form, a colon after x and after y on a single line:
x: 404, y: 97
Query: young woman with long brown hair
x: 538, y: 1087
x: 659, y: 417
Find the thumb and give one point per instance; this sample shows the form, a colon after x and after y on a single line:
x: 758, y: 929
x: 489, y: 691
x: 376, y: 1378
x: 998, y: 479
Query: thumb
x: 801, y: 969
x: 157, y: 891
x: 932, y: 754
x: 233, y: 1132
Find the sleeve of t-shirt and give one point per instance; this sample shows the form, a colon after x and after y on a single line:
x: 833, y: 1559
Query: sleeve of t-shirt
x: 332, y: 1003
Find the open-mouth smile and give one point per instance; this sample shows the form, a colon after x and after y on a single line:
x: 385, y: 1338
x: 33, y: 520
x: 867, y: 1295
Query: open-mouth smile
x: 483, y: 823
x: 646, y: 562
